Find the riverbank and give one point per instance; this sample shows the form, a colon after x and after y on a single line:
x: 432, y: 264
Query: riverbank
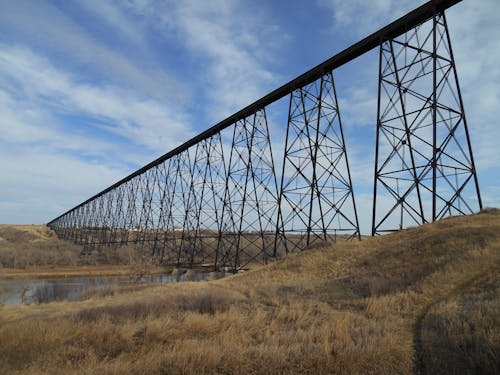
x: 34, y: 251
x: 50, y: 272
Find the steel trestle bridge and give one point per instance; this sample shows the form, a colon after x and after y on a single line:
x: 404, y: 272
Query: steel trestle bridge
x: 227, y: 204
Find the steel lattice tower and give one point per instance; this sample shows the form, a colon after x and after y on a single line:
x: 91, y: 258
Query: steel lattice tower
x: 250, y: 213
x: 424, y: 168
x: 317, y: 201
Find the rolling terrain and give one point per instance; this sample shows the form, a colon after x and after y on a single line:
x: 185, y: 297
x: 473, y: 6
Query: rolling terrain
x: 424, y: 300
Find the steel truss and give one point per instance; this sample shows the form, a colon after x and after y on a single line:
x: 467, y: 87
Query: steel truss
x: 424, y: 167
x: 248, y: 226
x: 217, y: 200
x: 317, y: 201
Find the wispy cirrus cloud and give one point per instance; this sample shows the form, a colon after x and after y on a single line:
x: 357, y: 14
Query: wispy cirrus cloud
x: 33, y: 179
x: 45, y: 27
x: 227, y: 48
x: 373, y: 15
x: 34, y: 79
x: 111, y: 14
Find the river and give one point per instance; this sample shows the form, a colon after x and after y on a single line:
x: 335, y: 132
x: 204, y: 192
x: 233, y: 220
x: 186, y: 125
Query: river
x: 34, y: 291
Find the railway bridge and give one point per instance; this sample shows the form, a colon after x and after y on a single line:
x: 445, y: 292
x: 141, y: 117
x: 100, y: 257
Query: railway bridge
x: 229, y: 196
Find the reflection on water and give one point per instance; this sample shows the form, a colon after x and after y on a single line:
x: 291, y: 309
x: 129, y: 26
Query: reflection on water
x: 17, y: 291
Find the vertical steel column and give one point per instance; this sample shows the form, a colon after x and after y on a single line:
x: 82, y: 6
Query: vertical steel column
x: 91, y: 227
x: 77, y: 230
x: 132, y: 208
x: 234, y: 198
x: 260, y: 219
x: 71, y: 226
x: 86, y: 223
x: 142, y: 199
x: 424, y: 165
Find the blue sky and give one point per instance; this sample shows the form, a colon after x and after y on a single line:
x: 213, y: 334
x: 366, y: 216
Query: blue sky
x: 92, y: 90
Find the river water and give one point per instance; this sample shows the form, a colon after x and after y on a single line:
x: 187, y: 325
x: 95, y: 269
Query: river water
x: 28, y: 291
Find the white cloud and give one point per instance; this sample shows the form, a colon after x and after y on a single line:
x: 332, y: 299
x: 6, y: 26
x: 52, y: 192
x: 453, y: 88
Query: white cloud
x: 366, y: 17
x: 475, y: 37
x: 359, y: 105
x: 25, y: 126
x: 142, y: 120
x: 47, y: 28
x: 40, y: 185
x: 228, y: 45
x: 111, y: 14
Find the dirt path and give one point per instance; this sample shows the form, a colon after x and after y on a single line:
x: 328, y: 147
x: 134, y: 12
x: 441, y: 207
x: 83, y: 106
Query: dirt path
x: 419, y: 367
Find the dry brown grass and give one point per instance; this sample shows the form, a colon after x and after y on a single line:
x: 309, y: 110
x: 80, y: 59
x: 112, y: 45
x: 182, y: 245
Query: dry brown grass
x: 24, y: 246
x: 465, y: 329
x: 423, y: 300
x: 35, y: 251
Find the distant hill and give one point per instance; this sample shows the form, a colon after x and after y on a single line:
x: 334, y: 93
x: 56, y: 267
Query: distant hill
x: 22, y: 246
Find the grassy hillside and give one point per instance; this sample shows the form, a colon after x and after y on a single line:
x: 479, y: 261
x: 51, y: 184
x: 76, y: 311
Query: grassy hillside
x: 35, y: 251
x: 24, y: 246
x: 424, y: 300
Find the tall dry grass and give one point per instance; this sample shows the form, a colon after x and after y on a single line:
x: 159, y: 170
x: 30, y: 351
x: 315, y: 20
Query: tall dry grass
x: 423, y: 300
x: 37, y: 248
x: 464, y: 330
x: 23, y: 246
